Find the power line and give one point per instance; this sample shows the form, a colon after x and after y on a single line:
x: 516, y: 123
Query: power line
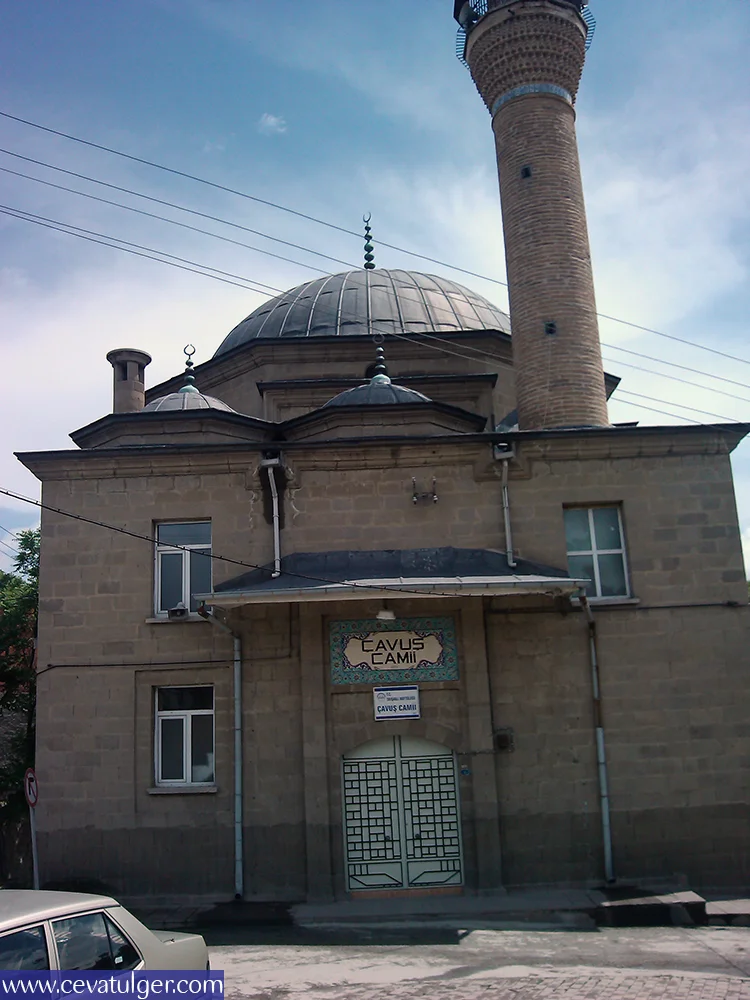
x: 226, y: 239
x: 673, y: 364
x: 679, y: 340
x: 341, y: 229
x: 226, y: 559
x: 9, y: 532
x: 10, y: 550
x: 247, y: 246
x: 167, y: 204
x: 240, y: 194
x: 60, y: 228
x: 227, y: 277
x: 161, y: 218
x: 670, y: 402
x: 676, y: 378
x: 665, y: 413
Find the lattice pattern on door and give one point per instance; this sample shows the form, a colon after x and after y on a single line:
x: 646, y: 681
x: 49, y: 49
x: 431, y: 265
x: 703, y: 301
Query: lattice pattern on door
x: 431, y: 821
x: 401, y: 820
x: 371, y: 810
x: 430, y: 807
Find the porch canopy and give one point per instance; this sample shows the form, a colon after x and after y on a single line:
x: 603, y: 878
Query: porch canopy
x: 355, y: 576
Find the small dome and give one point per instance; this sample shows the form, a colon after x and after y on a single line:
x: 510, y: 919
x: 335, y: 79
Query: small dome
x: 366, y: 303
x: 188, y: 398
x: 377, y: 393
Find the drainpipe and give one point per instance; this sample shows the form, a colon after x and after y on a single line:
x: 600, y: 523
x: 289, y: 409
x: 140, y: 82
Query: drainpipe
x: 239, y: 878
x: 505, y: 456
x: 601, y: 757
x: 269, y: 464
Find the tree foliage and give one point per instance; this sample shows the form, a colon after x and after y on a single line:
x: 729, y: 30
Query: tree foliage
x: 19, y: 598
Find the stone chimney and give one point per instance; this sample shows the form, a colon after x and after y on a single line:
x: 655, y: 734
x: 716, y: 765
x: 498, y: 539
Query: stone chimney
x: 526, y: 58
x: 129, y: 365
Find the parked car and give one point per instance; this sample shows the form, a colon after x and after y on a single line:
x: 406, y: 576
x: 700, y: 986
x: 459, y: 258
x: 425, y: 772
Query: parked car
x: 42, y: 929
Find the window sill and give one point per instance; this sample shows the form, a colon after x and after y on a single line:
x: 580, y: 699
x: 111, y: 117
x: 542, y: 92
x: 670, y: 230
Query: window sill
x: 183, y: 790
x: 174, y: 621
x: 604, y: 602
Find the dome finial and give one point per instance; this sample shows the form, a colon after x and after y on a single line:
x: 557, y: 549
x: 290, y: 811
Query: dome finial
x: 369, y: 248
x: 189, y: 385
x: 380, y: 371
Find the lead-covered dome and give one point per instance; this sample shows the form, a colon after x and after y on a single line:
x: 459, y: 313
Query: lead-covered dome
x: 187, y: 398
x: 379, y: 391
x: 365, y: 303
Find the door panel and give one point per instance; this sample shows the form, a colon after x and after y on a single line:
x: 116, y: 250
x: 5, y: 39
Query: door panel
x: 401, y: 815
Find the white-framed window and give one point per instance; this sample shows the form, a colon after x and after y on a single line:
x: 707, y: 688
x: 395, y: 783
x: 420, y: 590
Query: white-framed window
x: 182, y: 572
x: 596, y: 550
x: 184, y: 740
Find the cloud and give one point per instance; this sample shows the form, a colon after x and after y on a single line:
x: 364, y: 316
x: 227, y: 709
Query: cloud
x: 271, y: 124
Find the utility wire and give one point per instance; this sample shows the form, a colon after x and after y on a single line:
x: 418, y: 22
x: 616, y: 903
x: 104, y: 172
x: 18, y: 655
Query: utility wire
x: 642, y: 406
x: 161, y: 218
x: 10, y: 550
x: 671, y: 402
x: 228, y: 277
x: 225, y: 559
x: 240, y: 194
x: 673, y: 364
x: 9, y: 532
x: 247, y: 246
x: 290, y: 260
x: 341, y: 229
x: 167, y: 204
x: 676, y: 378
x: 80, y: 233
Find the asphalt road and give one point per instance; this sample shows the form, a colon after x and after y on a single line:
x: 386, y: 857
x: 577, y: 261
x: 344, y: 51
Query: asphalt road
x: 709, y: 963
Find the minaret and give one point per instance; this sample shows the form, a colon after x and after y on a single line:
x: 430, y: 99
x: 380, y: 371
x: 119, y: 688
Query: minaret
x: 526, y: 58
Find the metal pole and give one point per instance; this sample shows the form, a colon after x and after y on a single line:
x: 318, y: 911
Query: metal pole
x: 239, y: 865
x: 239, y: 878
x: 601, y: 754
x: 34, y: 854
x: 270, y: 464
x: 506, y: 518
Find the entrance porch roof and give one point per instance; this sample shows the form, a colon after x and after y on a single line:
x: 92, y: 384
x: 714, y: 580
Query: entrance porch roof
x: 356, y: 576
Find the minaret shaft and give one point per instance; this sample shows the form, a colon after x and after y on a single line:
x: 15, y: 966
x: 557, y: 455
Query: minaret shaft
x: 526, y: 59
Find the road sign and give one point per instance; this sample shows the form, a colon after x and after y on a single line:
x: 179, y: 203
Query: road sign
x: 30, y: 787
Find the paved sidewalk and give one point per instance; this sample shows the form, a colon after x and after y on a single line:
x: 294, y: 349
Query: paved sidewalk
x: 587, y: 987
x: 566, y: 907
x: 382, y: 963
x: 554, y: 908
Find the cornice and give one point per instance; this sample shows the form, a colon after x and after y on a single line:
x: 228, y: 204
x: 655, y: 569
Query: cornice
x: 529, y: 446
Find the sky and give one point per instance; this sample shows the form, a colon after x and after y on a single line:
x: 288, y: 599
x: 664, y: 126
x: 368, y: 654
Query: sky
x: 337, y: 109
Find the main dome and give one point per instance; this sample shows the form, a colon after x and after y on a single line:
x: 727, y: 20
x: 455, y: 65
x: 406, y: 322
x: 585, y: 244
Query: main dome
x: 364, y: 303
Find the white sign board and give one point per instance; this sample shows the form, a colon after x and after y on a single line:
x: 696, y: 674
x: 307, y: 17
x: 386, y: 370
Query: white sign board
x: 396, y: 702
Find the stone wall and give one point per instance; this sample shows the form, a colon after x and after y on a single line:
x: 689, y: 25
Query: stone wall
x: 674, y: 698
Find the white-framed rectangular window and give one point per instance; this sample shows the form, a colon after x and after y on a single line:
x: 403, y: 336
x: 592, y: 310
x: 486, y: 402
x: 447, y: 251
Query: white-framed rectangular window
x: 184, y: 740
x: 596, y: 550
x: 184, y: 571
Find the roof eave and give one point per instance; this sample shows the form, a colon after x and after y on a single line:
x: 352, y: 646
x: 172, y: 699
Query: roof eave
x: 362, y: 590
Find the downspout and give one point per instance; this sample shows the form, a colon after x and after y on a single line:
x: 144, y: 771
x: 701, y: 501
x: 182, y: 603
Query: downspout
x: 269, y: 464
x: 505, y: 456
x: 601, y: 756
x: 239, y: 878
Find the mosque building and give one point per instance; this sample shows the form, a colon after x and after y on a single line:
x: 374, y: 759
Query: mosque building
x: 378, y: 601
